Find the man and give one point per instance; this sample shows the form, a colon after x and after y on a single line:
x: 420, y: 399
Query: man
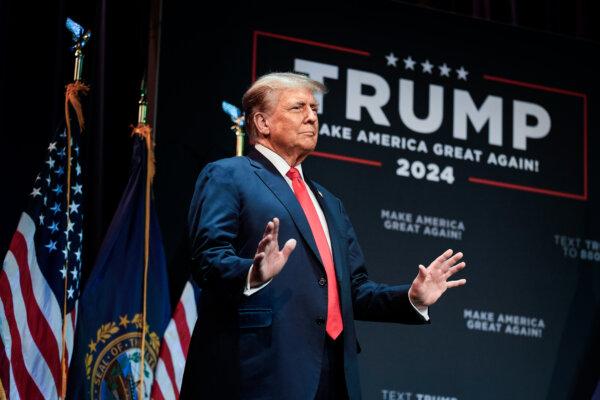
x: 279, y: 323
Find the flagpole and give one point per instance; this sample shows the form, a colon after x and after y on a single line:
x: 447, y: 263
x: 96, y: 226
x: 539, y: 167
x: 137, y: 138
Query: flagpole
x: 239, y: 138
x: 71, y: 100
x: 144, y: 130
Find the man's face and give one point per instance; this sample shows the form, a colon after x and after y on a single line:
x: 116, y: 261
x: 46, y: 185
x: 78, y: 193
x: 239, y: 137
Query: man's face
x: 293, y: 124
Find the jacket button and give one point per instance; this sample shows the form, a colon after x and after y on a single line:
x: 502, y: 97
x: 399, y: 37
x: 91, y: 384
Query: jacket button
x: 320, y: 321
x: 322, y: 281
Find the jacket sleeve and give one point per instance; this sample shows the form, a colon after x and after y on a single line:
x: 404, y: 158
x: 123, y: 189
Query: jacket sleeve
x: 213, y: 223
x: 372, y: 301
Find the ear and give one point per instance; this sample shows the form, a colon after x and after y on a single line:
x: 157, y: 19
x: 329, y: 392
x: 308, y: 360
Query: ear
x: 261, y: 123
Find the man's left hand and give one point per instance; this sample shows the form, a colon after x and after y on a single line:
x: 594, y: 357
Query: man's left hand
x: 432, y: 282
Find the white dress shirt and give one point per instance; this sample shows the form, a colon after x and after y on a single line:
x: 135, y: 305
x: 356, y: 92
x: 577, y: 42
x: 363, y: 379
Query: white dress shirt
x: 283, y: 167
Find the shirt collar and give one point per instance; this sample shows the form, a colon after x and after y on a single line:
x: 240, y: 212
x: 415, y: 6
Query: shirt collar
x: 280, y: 164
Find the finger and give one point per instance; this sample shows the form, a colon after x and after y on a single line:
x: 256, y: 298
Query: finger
x: 288, y: 247
x: 263, y: 243
x: 268, y: 229
x: 460, y: 282
x: 276, y: 229
x: 443, y: 257
x: 258, y: 259
x: 451, y: 261
x: 422, y: 275
x: 455, y: 269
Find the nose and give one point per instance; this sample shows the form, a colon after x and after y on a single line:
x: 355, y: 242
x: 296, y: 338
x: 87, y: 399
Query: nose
x: 311, y: 115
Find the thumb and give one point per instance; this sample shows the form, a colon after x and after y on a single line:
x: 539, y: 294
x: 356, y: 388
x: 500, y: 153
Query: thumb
x: 288, y: 247
x: 422, y: 272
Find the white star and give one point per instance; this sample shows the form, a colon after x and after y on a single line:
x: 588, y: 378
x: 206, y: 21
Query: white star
x: 462, y: 73
x: 74, y: 273
x: 36, y: 192
x: 78, y: 254
x: 45, y: 200
x: 78, y: 169
x: 41, y: 219
x: 37, y: 178
x: 51, y: 246
x: 409, y: 63
x: 48, y: 180
x: 74, y: 207
x: 391, y: 59
x: 80, y: 236
x: 444, y: 70
x: 427, y: 66
x: 63, y: 271
x: 77, y: 189
x: 65, y: 253
x: 70, y: 226
x: 50, y: 162
x: 52, y: 146
x: 70, y: 292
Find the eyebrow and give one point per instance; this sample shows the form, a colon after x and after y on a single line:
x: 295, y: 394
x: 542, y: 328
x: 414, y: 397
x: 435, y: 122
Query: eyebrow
x: 302, y: 103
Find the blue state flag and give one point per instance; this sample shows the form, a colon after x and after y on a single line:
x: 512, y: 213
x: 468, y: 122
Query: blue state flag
x: 107, y: 358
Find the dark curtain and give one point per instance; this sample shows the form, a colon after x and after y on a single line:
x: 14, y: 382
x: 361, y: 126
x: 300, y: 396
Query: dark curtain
x: 35, y: 66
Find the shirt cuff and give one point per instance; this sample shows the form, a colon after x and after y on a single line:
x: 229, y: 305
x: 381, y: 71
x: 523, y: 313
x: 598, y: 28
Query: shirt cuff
x: 248, y: 291
x: 424, y: 311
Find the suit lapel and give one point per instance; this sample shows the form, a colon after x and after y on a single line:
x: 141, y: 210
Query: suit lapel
x: 277, y: 184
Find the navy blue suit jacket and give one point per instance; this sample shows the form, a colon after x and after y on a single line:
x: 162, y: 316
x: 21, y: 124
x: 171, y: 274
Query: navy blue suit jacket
x: 269, y: 345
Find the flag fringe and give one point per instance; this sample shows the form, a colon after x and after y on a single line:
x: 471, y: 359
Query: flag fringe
x: 72, y: 97
x: 145, y: 131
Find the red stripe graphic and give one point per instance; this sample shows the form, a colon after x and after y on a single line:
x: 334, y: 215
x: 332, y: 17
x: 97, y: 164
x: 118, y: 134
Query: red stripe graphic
x: 527, y: 188
x: 549, y: 192
x: 347, y: 159
x: 255, y: 35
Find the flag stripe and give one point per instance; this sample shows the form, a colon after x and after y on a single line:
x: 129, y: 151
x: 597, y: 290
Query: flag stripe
x: 27, y: 389
x: 5, y: 344
x: 166, y: 377
x: 36, y: 321
x: 51, y: 310
x: 188, y: 299
x: 13, y: 387
x: 167, y: 357
x: 162, y: 384
x: 34, y: 360
x: 175, y: 345
x: 182, y: 329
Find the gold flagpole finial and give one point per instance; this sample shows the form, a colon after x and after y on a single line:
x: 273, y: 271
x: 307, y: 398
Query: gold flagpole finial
x: 80, y: 39
x: 143, y: 104
x: 238, y: 126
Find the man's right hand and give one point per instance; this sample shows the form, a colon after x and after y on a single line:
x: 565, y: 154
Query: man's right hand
x: 269, y: 260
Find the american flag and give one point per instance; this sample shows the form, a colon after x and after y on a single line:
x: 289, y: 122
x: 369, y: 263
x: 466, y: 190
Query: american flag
x: 45, y: 251
x: 168, y: 374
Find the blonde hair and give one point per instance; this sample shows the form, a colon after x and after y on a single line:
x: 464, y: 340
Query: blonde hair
x: 261, y: 96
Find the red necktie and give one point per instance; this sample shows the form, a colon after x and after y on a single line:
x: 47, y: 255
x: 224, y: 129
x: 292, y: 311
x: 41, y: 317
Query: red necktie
x: 334, y: 316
